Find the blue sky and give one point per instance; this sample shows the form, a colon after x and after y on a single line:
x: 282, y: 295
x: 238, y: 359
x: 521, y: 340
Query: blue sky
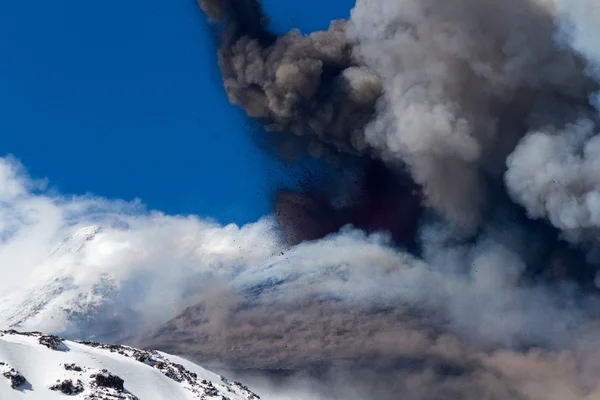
x: 124, y: 100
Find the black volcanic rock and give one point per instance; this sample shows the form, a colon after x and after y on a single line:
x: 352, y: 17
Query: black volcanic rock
x: 108, y: 380
x: 68, y: 387
x: 16, y: 379
x: 51, y: 342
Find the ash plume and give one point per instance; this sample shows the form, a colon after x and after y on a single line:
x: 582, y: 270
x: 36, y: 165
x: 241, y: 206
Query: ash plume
x: 464, y: 81
x: 308, y: 85
x: 553, y: 174
x: 313, y: 91
x: 484, y: 115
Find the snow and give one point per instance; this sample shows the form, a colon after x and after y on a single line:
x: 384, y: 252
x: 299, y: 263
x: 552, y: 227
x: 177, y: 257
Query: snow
x: 114, y: 280
x: 53, y: 298
x: 75, y: 242
x: 145, y: 374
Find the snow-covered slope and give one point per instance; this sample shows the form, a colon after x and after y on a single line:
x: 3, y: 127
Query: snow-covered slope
x: 42, y: 367
x: 107, y: 282
x: 54, y: 291
x: 75, y: 242
x: 69, y: 295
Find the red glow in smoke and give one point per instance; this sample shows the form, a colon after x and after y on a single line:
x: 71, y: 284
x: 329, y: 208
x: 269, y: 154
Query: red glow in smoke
x: 387, y: 202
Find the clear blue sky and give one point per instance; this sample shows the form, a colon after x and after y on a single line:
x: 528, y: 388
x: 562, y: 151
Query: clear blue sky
x: 123, y: 99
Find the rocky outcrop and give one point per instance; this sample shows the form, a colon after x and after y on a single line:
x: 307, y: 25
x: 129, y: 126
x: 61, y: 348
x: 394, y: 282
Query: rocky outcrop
x: 15, y: 378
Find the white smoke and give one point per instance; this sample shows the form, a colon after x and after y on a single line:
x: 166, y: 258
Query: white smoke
x: 554, y: 171
x: 137, y: 270
x: 555, y: 175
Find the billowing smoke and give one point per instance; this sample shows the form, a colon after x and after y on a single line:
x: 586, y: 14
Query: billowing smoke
x: 311, y: 91
x: 490, y: 108
x: 465, y: 80
x: 553, y: 174
x: 309, y: 85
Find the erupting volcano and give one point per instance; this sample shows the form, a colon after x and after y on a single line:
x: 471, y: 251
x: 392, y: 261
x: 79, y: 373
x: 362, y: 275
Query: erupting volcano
x: 453, y: 251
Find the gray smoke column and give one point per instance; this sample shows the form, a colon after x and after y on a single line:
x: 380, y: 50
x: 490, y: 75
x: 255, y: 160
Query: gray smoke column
x: 309, y: 85
x: 315, y: 93
x: 464, y: 81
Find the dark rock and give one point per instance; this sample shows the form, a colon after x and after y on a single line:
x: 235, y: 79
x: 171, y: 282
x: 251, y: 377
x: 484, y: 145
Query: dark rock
x: 73, y: 367
x: 51, y: 342
x: 15, y: 378
x: 68, y: 387
x: 108, y: 380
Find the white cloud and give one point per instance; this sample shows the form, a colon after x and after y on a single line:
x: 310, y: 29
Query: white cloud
x: 153, y: 263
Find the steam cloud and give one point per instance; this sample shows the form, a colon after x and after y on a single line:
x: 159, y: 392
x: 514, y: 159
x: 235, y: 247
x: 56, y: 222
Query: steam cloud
x: 489, y: 106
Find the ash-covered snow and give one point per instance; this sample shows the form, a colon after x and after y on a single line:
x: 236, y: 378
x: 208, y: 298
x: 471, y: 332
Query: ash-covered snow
x: 47, y: 367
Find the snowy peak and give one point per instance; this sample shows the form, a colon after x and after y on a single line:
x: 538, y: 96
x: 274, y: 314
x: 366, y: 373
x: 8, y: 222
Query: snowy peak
x: 46, y: 367
x: 83, y: 306
x: 76, y: 241
x: 59, y: 295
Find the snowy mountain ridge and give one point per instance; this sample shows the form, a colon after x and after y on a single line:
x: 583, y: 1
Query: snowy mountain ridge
x: 104, y: 283
x: 58, y: 295
x: 76, y: 241
x: 46, y: 367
